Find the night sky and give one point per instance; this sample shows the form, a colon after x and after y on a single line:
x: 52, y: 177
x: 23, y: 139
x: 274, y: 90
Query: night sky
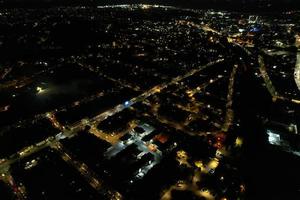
x: 218, y: 4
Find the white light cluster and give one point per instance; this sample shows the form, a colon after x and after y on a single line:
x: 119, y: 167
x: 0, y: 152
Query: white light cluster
x: 273, y: 138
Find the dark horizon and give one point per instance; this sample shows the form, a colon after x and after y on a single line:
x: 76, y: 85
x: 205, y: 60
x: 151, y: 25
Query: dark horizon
x: 239, y: 5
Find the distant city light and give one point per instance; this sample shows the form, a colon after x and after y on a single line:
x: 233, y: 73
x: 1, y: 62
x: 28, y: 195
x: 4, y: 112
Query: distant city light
x: 145, y: 6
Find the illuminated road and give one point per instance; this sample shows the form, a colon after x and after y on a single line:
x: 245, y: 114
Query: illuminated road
x: 194, y: 109
x: 279, y: 53
x: 85, y: 172
x: 229, y: 112
x: 269, y: 84
x: 135, y: 137
x: 75, y: 128
x: 297, y: 70
x: 23, y: 81
x: 157, y: 89
x: 144, y: 147
x: 265, y: 76
x: 112, y: 138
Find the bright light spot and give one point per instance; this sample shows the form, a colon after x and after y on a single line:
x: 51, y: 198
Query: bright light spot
x: 273, y: 138
x: 144, y: 6
x: 238, y: 142
x: 126, y: 103
x: 206, y: 193
x: 39, y: 90
x: 242, y: 188
x: 199, y: 164
x: 182, y: 157
x: 182, y: 154
x: 152, y: 148
x: 219, y: 154
x: 213, y: 164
